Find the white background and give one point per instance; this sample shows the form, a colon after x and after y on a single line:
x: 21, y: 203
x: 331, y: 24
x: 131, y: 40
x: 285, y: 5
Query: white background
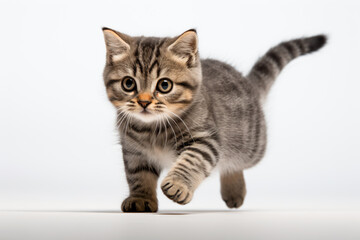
x: 58, y: 144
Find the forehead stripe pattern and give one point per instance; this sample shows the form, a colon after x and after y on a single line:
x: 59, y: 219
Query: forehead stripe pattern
x: 146, y: 54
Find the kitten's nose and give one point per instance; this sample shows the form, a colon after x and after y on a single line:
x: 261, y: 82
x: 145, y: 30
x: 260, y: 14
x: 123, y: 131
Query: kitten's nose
x: 143, y: 103
x: 144, y: 99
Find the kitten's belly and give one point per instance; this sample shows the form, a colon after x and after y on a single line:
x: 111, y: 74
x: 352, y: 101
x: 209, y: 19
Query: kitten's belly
x: 164, y: 157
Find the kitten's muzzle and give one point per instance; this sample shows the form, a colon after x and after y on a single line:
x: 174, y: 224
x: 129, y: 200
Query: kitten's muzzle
x: 144, y: 103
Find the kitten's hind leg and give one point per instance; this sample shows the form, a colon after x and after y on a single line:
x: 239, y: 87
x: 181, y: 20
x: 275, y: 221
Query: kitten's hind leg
x: 233, y: 189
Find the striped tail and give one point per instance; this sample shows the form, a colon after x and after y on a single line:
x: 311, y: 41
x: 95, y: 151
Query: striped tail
x: 268, y: 67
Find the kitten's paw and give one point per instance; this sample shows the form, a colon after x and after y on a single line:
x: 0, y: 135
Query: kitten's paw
x: 233, y: 195
x: 136, y: 204
x: 235, y: 202
x: 176, y: 190
x: 233, y: 188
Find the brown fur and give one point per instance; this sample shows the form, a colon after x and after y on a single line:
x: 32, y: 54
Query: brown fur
x: 233, y: 188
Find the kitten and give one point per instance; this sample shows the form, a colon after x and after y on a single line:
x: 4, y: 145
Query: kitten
x: 179, y: 111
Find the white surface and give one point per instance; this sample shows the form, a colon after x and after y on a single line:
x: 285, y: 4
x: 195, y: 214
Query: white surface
x: 208, y: 225
x: 58, y: 146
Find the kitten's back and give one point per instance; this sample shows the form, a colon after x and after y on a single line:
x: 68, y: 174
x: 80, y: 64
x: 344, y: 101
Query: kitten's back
x: 239, y: 117
x: 237, y: 100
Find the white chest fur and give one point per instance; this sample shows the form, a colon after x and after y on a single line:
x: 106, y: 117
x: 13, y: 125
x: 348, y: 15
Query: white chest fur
x: 164, y: 157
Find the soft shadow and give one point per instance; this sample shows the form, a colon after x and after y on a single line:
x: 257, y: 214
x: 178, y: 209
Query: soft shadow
x: 161, y: 212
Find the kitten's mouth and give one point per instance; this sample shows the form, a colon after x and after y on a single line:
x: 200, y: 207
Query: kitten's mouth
x: 146, y: 115
x: 146, y: 112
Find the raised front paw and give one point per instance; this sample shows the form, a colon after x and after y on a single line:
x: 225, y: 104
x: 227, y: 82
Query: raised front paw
x: 136, y: 204
x: 177, y: 190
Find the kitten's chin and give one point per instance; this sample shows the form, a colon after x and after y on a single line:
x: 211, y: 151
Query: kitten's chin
x: 147, y: 117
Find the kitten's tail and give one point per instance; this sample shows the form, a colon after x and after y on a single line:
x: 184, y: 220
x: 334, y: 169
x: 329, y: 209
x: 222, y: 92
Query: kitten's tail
x: 268, y: 67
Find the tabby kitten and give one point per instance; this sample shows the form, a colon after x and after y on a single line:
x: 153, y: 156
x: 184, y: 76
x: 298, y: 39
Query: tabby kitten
x: 179, y: 111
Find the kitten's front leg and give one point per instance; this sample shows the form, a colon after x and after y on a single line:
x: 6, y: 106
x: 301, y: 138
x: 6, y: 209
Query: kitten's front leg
x: 142, y: 179
x: 193, y: 165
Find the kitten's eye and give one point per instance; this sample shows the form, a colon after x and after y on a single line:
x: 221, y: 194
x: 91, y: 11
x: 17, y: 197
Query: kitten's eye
x: 128, y: 84
x: 164, y: 85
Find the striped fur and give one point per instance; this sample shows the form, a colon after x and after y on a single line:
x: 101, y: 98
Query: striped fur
x: 267, y: 68
x: 211, y: 117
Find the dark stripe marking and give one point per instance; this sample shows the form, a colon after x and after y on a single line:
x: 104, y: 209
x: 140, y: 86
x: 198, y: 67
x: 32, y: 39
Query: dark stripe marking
x: 186, y: 85
x: 136, y: 187
x: 183, y: 170
x: 131, y: 135
x: 111, y: 82
x: 300, y: 45
x: 157, y: 54
x: 153, y: 65
x: 290, y: 48
x: 127, y: 152
x: 134, y: 69
x: 144, y: 168
x: 183, y: 165
x: 139, y: 129
x: 200, y: 141
x: 276, y: 59
x: 176, y: 172
x: 205, y: 155
x: 262, y: 68
x: 140, y: 66
x: 185, y: 101
x: 173, y: 97
x: 192, y: 155
x: 189, y: 161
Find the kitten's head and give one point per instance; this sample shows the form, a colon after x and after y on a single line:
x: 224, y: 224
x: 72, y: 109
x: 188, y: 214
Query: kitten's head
x: 152, y: 78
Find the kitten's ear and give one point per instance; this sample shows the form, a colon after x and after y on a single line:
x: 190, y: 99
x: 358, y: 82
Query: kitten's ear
x: 185, y: 47
x: 117, y: 44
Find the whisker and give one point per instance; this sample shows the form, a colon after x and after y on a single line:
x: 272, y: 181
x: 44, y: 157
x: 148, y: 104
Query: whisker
x: 118, y: 123
x: 183, y: 123
x: 157, y: 121
x: 122, y: 119
x: 127, y: 124
x: 120, y: 116
x: 182, y: 136
x: 159, y: 128
x: 165, y: 132
x: 172, y: 131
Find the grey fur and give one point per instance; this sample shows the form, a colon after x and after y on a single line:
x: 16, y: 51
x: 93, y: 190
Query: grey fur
x: 217, y: 117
